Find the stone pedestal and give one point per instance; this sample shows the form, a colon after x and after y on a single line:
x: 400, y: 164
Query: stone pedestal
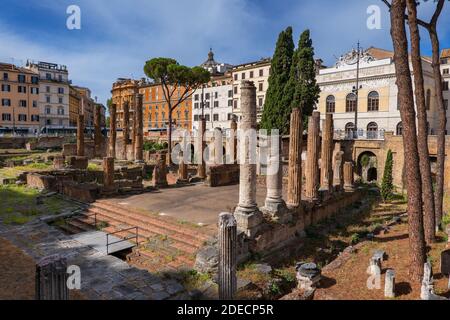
x: 59, y: 162
x: 112, y: 130
x: 349, y: 184
x: 227, y: 256
x: 312, y: 159
x: 97, y: 132
x: 201, y: 168
x: 326, y: 169
x: 274, y: 204
x: 51, y: 279
x: 247, y: 214
x: 126, y: 129
x: 139, y: 143
x: 160, y: 172
x: 295, y: 160
x: 80, y: 135
x: 77, y: 162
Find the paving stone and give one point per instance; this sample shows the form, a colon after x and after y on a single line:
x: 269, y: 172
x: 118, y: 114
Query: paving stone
x: 161, y: 295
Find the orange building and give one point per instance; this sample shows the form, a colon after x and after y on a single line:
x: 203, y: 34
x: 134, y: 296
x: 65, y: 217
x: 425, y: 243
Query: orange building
x: 156, y: 109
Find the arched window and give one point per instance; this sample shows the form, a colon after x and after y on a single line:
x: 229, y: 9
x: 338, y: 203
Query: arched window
x: 399, y: 130
x: 372, y: 130
x: 373, y: 101
x: 349, y: 129
x: 428, y: 101
x: 350, y: 105
x: 331, y: 104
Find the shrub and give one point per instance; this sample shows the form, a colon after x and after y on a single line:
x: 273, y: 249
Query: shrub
x: 387, y: 186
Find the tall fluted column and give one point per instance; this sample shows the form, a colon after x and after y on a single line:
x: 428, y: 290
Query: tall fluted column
x: 227, y: 256
x: 126, y: 129
x: 247, y: 213
x: 80, y: 135
x: 51, y: 279
x: 112, y: 130
x: 312, y: 160
x: 97, y: 131
x: 201, y: 168
x: 295, y: 159
x: 349, y: 184
x: 233, y: 142
x: 326, y: 163
x: 218, y: 146
x: 139, y: 125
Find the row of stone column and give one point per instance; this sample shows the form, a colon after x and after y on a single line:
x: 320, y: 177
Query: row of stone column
x: 137, y: 136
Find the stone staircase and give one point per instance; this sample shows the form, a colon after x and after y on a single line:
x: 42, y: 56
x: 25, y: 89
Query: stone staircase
x: 163, y: 245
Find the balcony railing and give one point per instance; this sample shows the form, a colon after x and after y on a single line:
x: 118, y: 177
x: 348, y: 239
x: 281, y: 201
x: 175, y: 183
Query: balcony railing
x: 359, y: 135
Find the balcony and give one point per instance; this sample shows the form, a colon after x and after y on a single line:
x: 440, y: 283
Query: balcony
x: 359, y: 135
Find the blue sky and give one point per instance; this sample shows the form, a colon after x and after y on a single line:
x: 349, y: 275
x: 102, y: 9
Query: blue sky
x: 117, y: 36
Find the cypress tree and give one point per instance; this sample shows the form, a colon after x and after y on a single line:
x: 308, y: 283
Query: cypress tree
x: 274, y: 111
x: 387, y: 187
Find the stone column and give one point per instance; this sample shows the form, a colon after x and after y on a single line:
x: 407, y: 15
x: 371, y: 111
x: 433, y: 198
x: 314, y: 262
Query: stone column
x: 389, y: 284
x: 274, y: 204
x: 108, y: 172
x: 201, y: 169
x: 80, y: 136
x: 349, y: 184
x: 312, y: 160
x: 227, y: 256
x: 326, y: 164
x: 126, y: 129
x: 97, y: 131
x: 247, y: 213
x: 139, y: 125
x: 218, y: 146
x: 51, y: 279
x: 182, y: 169
x: 160, y: 172
x: 133, y: 133
x: 233, y: 143
x: 112, y: 130
x: 295, y: 159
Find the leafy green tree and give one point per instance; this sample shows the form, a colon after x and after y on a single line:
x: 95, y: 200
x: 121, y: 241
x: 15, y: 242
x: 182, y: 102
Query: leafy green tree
x: 302, y: 88
x: 178, y: 83
x: 274, y: 115
x: 387, y: 187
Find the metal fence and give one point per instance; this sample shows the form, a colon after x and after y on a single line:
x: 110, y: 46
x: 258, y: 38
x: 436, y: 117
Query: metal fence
x: 359, y: 135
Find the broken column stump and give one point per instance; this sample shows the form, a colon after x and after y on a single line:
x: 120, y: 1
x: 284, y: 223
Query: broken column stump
x: 389, y: 284
x: 227, y: 256
x: 51, y: 279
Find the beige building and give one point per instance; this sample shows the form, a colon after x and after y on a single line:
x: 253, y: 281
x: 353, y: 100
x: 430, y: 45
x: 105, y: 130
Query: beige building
x: 445, y: 68
x: 19, y: 97
x: 258, y: 72
x: 376, y: 102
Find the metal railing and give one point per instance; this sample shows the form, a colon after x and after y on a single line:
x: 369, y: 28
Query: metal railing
x: 359, y: 135
x: 136, y: 237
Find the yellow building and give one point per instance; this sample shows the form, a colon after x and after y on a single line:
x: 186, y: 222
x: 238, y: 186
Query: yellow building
x: 19, y: 100
x: 74, y: 106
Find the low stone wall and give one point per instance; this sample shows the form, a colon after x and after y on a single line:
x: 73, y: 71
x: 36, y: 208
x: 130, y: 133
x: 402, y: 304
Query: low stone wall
x: 222, y: 175
x: 84, y: 192
x: 44, y: 143
x: 41, y: 181
x: 70, y: 149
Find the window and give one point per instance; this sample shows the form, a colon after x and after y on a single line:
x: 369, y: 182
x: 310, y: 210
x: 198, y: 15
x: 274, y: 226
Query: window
x: 61, y: 111
x: 23, y: 103
x: 196, y: 97
x: 48, y: 110
x: 230, y: 103
x: 35, y: 104
x: 235, y: 104
x: 207, y: 117
x: 21, y: 89
x: 207, y: 96
x: 235, y: 90
x: 372, y: 127
x: 446, y: 104
x: 60, y: 100
x: 251, y: 74
x: 235, y: 77
x: 349, y: 129
x: 215, y: 117
x: 48, y: 76
x: 186, y: 114
x: 446, y: 71
x: 261, y: 72
x: 243, y: 76
x: 331, y: 104
x: 60, y: 78
x: 373, y: 102
x: 47, y: 99
x: 216, y: 104
x: 5, y: 76
x: 21, y: 78
x: 196, y: 105
x: 207, y: 104
x: 261, y: 86
x: 34, y: 90
x: 350, y: 105
x: 48, y: 122
x: 6, y: 116
x: 399, y: 130
x: 216, y: 95
x: 260, y: 102
x: 230, y: 116
x: 6, y: 102
x: 6, y: 88
x: 35, y: 118
x: 23, y: 117
x: 445, y: 86
x: 47, y: 89
x: 60, y: 90
x: 230, y: 93
x: 34, y: 80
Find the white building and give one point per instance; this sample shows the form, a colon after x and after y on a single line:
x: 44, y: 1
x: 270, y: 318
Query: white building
x: 53, y: 93
x: 258, y: 72
x: 377, y: 96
